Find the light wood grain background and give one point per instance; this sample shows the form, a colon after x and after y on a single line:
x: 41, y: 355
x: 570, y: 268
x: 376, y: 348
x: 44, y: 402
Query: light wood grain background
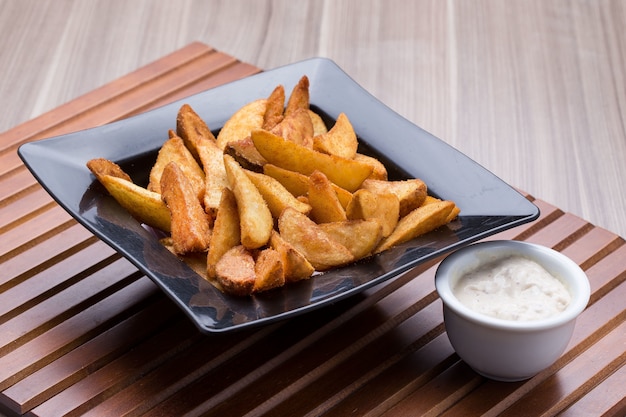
x: 534, y: 90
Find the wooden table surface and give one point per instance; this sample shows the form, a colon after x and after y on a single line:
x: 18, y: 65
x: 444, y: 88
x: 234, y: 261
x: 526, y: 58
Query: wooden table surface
x: 532, y: 90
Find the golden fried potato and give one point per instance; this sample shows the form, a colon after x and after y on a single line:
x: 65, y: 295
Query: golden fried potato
x: 453, y: 214
x: 235, y: 271
x: 319, y: 127
x: 295, y: 265
x: 379, y: 171
x: 246, y: 154
x: 309, y: 239
x: 249, y: 117
x: 191, y: 129
x: 275, y: 108
x: 174, y: 150
x: 254, y: 214
x: 190, y: 225
x: 296, y: 127
x: 360, y: 237
x: 268, y: 270
x: 275, y: 195
x: 340, y: 140
x: 323, y: 200
x: 411, y: 192
x: 385, y: 208
x: 298, y: 184
x: 346, y: 173
x: 215, y: 175
x: 418, y: 222
x: 299, y: 98
x: 226, y: 232
x: 101, y: 167
x: 145, y: 206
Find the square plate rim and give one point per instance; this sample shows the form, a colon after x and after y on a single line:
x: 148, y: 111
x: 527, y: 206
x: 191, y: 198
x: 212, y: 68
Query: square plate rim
x: 318, y: 70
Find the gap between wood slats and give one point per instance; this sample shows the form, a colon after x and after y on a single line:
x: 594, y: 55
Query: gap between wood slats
x: 14, y: 212
x: 45, y: 255
x: 605, y: 399
x: 156, y: 327
x: 23, y: 245
x: 90, y: 287
x: 57, y: 276
x: 76, y: 329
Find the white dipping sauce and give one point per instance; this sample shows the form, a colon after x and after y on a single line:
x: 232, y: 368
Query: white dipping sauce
x: 513, y: 288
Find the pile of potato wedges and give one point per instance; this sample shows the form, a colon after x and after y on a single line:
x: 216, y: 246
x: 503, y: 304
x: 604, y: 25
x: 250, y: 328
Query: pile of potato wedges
x: 277, y: 196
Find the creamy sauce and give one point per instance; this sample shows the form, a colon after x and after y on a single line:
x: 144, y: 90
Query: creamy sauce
x: 513, y: 288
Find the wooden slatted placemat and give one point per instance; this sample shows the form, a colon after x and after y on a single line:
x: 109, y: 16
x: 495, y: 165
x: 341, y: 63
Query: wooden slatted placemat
x: 82, y: 332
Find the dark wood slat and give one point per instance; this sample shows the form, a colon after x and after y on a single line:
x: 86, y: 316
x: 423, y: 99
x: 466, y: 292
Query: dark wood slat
x: 45, y: 254
x: 54, y: 279
x: 605, y: 399
x: 86, y: 359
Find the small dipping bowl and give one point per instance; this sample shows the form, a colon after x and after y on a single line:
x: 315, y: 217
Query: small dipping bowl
x: 507, y: 350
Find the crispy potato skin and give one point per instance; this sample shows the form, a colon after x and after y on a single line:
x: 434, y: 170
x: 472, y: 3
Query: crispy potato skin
x: 226, y: 232
x: 309, y: 239
x: 190, y: 225
x: 235, y: 271
x: 278, y: 195
x: 254, y: 215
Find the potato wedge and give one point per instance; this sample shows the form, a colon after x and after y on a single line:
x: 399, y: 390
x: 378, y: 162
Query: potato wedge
x: 346, y: 173
x: 235, y: 271
x: 296, y: 127
x: 101, y: 167
x: 190, y: 225
x: 246, y: 154
x: 254, y: 215
x: 275, y: 107
x: 418, y: 222
x: 360, y: 237
x: 453, y: 214
x: 174, y: 150
x: 295, y: 265
x: 385, y: 208
x: 275, y: 195
x: 340, y: 140
x: 411, y: 192
x: 191, y: 128
x: 379, y: 171
x: 299, y: 98
x: 319, y: 127
x: 249, y: 117
x: 215, y: 180
x: 226, y: 232
x: 309, y: 239
x: 323, y: 200
x: 268, y: 270
x: 298, y: 184
x: 145, y: 206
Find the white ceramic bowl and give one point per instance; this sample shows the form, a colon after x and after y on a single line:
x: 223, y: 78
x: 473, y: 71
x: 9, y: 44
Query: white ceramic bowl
x: 507, y: 350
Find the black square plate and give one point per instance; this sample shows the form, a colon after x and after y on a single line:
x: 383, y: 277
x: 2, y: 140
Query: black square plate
x: 488, y: 205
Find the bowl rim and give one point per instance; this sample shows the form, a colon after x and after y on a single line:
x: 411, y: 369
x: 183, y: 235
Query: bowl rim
x: 577, y: 282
